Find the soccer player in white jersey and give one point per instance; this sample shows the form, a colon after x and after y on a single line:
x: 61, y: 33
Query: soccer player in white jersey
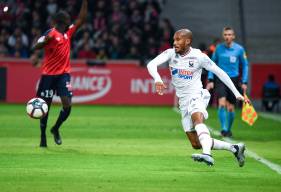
x: 186, y: 65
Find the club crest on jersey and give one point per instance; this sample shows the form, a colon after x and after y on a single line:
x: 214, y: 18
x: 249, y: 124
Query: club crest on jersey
x: 181, y: 73
x: 191, y: 63
x: 175, y: 61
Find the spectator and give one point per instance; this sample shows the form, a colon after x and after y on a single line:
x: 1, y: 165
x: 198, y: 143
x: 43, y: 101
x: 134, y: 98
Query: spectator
x: 101, y: 55
x: 131, y: 23
x: 86, y: 52
x: 270, y: 94
x: 3, y: 50
x: 19, y: 51
x: 86, y: 39
x: 18, y: 34
x: 51, y: 7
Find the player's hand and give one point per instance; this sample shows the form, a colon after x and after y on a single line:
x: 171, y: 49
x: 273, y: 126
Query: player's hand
x: 34, y: 58
x: 160, y: 88
x: 210, y: 86
x: 244, y: 88
x: 244, y: 99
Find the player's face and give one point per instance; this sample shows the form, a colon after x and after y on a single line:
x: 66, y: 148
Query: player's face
x: 228, y: 36
x: 180, y: 43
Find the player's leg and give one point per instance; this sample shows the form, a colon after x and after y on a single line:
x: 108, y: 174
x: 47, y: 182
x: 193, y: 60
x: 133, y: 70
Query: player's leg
x: 193, y: 138
x: 209, y: 143
x: 64, y: 113
x: 236, y: 149
x: 45, y: 92
x: 221, y: 93
x: 199, y: 114
x: 204, y: 138
x: 192, y: 135
x: 63, y: 90
x: 230, y: 117
x: 230, y: 104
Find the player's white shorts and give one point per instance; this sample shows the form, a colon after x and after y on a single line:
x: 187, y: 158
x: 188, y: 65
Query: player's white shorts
x: 191, y: 104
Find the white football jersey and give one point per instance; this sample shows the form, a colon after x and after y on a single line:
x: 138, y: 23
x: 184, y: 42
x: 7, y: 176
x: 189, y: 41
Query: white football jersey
x: 186, y: 71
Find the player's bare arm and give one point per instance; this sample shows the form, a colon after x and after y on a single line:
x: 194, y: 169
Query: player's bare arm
x: 210, y: 85
x: 42, y: 41
x: 82, y: 14
x: 244, y: 88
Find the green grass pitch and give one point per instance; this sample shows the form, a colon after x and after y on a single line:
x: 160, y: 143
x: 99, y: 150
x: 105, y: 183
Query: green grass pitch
x: 118, y: 148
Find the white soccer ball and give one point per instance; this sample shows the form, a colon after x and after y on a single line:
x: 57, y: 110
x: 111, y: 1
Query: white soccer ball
x: 36, y: 108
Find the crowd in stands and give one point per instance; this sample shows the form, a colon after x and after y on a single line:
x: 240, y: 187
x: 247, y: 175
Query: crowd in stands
x: 115, y: 29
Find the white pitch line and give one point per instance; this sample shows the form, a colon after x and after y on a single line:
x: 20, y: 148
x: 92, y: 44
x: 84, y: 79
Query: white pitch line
x: 275, y: 117
x: 272, y: 166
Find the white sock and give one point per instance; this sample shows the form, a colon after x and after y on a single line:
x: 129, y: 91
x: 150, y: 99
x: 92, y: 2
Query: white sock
x: 204, y: 138
x: 222, y: 145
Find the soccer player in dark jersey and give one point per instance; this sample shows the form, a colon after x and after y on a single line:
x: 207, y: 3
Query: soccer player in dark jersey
x: 55, y: 78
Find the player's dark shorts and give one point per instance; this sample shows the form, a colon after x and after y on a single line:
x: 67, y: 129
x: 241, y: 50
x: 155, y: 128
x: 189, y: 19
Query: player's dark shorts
x: 223, y: 91
x: 54, y: 84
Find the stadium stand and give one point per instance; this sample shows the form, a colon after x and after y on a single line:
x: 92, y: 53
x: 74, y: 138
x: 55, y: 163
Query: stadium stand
x: 115, y: 29
x: 207, y: 18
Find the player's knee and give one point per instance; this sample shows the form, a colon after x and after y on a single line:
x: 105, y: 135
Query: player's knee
x: 230, y: 108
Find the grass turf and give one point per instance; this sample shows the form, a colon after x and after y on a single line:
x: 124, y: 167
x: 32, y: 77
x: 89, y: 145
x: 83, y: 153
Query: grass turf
x: 128, y: 149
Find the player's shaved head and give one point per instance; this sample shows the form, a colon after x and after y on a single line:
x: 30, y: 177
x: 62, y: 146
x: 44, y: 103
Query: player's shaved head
x: 186, y: 33
x: 182, y: 40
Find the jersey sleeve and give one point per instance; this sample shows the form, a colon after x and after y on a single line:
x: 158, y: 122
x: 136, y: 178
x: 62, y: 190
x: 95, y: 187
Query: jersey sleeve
x: 46, y: 33
x: 244, y: 61
x: 159, y: 60
x: 208, y: 64
x: 71, y: 30
x: 214, y: 58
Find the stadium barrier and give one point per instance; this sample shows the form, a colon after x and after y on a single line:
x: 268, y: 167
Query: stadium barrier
x: 113, y: 83
x: 259, y: 75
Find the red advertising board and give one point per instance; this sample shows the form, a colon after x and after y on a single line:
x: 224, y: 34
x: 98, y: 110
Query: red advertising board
x: 259, y: 75
x: 126, y: 84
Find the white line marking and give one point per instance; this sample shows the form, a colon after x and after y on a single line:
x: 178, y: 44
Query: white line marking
x: 274, y: 117
x: 272, y: 166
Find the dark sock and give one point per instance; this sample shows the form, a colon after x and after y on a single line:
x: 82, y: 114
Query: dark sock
x: 44, y: 120
x: 64, y: 113
x: 43, y: 125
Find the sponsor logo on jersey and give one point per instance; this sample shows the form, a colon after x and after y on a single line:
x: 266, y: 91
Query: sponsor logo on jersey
x: 181, y: 73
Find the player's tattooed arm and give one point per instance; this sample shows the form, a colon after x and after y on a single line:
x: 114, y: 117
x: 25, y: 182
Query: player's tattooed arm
x: 83, y: 14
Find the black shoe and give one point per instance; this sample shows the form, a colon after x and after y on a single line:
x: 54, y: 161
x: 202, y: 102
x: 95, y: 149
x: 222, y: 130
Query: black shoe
x: 228, y: 134
x: 43, y: 141
x: 239, y: 154
x: 223, y: 133
x: 56, y: 135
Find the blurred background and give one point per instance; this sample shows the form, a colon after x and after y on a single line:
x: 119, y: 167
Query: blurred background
x: 110, y: 51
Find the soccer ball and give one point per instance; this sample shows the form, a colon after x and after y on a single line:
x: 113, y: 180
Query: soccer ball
x: 36, y: 108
